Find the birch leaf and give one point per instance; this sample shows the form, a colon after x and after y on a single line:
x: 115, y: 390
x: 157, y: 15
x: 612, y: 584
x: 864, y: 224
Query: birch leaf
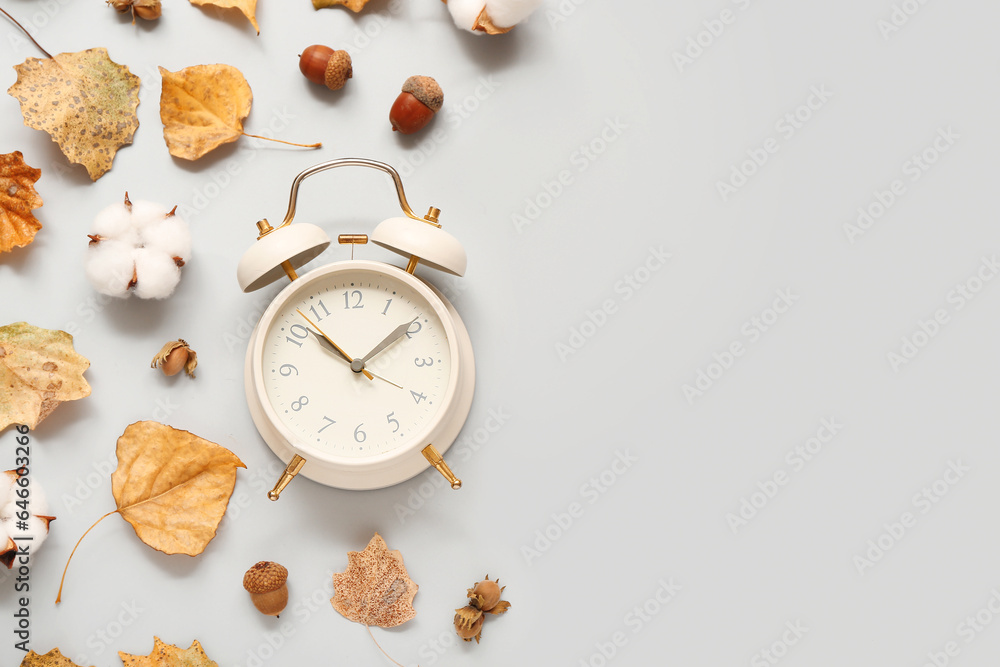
x: 203, y: 107
x: 85, y: 101
x: 18, y: 198
x: 39, y: 369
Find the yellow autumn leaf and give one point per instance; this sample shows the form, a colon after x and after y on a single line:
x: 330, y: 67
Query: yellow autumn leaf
x: 168, y: 655
x: 248, y: 7
x: 51, y: 659
x: 353, y: 5
x: 172, y: 486
x: 203, y: 107
x: 39, y: 369
x: 85, y: 101
x: 18, y: 198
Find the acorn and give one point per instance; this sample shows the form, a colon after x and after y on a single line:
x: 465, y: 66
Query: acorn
x: 144, y: 9
x: 420, y: 99
x: 326, y: 67
x: 266, y: 583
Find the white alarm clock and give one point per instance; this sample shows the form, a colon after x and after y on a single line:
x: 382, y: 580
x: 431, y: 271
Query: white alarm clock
x: 359, y: 374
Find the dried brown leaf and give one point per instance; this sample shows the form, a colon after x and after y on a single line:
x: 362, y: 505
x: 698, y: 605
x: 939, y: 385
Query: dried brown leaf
x: 85, y: 101
x: 39, y: 369
x: 353, y: 5
x: 248, y: 7
x: 51, y: 659
x: 203, y: 107
x: 18, y: 198
x: 168, y: 655
x: 375, y: 588
x: 172, y: 486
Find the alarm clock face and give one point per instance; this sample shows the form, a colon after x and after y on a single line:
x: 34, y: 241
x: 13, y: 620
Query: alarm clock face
x: 324, y: 406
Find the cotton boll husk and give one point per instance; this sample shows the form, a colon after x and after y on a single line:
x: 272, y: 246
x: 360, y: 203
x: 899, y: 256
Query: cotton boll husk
x: 115, y: 222
x: 157, y: 274
x: 465, y: 12
x: 109, y: 267
x: 507, y: 13
x: 171, y: 236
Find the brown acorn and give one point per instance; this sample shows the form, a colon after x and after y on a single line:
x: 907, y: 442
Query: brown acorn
x: 419, y: 100
x: 326, y: 67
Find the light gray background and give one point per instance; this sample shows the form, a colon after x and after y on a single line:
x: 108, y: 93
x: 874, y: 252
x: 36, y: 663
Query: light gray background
x: 518, y: 111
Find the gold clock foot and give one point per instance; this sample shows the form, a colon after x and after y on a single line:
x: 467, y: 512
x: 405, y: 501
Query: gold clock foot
x: 291, y: 470
x: 433, y: 457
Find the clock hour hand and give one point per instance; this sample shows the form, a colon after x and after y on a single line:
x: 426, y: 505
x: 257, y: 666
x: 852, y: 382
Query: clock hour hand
x: 396, y: 334
x: 329, y: 341
x: 330, y: 347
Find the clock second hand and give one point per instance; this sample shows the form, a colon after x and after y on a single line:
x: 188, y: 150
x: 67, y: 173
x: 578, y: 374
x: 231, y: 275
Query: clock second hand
x: 326, y: 343
x: 346, y: 356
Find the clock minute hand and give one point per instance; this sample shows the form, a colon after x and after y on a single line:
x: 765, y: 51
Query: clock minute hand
x: 396, y: 334
x: 336, y: 347
x: 327, y: 345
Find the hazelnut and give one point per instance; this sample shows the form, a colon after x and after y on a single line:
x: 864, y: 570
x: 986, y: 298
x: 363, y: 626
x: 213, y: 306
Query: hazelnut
x: 174, y: 356
x: 147, y: 9
x: 324, y: 66
x: 420, y: 99
x: 266, y: 582
x: 485, y: 594
x: 469, y: 623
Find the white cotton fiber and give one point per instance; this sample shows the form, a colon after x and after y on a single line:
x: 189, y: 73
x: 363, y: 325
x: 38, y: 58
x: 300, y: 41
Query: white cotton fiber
x: 465, y: 12
x: 507, y: 13
x: 109, y: 267
x: 37, y: 505
x: 6, y: 485
x: 144, y: 241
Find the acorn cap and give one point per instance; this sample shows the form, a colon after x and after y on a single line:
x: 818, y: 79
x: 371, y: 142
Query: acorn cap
x: 265, y: 577
x: 338, y: 70
x: 425, y: 89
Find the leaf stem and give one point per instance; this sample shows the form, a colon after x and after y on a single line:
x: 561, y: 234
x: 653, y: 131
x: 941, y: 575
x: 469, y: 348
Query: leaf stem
x: 49, y: 55
x: 63, y: 580
x: 382, y: 649
x: 289, y: 143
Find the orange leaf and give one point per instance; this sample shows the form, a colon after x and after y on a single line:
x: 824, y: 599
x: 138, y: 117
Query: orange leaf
x: 85, y: 101
x: 39, y: 369
x: 51, y: 659
x: 172, y: 486
x: 203, y: 107
x: 18, y: 198
x: 248, y: 7
x: 168, y: 655
x: 375, y: 588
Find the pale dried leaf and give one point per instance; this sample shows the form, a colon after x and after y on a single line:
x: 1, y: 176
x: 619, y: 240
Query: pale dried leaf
x: 203, y: 107
x: 172, y: 486
x: 248, y: 7
x: 85, y: 101
x: 39, y: 369
x: 168, y: 655
x: 375, y: 588
x: 353, y: 5
x: 18, y: 198
x: 51, y: 659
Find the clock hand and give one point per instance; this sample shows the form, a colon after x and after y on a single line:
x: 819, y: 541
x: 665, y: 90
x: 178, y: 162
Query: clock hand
x: 396, y: 334
x: 336, y: 347
x: 326, y: 344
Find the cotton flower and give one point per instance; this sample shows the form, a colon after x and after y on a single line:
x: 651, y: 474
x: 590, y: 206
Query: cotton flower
x: 137, y: 247
x: 490, y: 16
x: 24, y: 515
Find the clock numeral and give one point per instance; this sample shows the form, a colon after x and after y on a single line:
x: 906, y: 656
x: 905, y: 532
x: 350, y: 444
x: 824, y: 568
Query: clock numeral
x: 301, y: 403
x: 411, y: 331
x: 288, y: 369
x: 356, y: 295
x: 387, y: 302
x: 417, y: 397
x: 331, y: 423
x: 389, y: 418
x: 316, y: 314
x: 298, y: 331
x: 420, y: 363
x: 359, y: 435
